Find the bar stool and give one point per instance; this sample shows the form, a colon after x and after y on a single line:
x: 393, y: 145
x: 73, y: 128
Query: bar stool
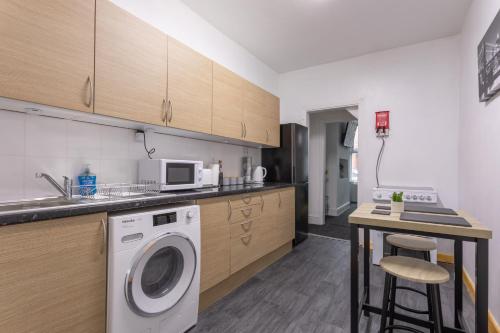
x: 415, y: 270
x: 417, y: 244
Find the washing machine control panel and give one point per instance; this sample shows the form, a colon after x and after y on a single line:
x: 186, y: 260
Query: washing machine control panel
x: 130, y: 230
x: 165, y: 218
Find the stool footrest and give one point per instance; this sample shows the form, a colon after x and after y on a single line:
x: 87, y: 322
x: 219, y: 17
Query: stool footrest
x: 412, y: 289
x: 402, y: 307
x: 404, y: 328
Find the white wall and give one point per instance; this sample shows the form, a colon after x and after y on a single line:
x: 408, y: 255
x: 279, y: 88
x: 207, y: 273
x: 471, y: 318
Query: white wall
x: 30, y: 144
x: 337, y: 189
x: 479, y: 161
x: 179, y: 21
x: 418, y: 84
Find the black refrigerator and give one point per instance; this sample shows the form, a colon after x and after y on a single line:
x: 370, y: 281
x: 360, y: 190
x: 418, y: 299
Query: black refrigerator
x: 289, y: 164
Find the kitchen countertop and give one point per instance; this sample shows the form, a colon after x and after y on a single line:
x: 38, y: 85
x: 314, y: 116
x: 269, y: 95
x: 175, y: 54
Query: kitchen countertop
x: 115, y: 205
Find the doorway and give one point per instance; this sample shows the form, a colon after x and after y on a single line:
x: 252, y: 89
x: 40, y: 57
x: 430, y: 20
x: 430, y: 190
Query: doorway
x: 334, y: 174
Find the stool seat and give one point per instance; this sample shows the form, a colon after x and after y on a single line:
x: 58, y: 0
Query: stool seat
x: 411, y: 242
x: 416, y: 270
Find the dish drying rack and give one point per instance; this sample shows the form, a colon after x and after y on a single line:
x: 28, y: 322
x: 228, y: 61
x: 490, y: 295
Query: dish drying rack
x: 114, y: 191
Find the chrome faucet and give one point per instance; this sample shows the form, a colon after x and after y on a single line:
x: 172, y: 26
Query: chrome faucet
x: 68, y: 184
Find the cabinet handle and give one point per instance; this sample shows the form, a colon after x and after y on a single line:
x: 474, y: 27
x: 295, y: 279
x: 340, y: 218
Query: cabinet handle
x: 246, y: 238
x: 91, y: 92
x: 230, y: 210
x: 279, y: 196
x: 261, y: 203
x: 245, y: 129
x: 247, y: 200
x: 242, y: 130
x: 171, y: 108
x: 248, y: 210
x: 104, y: 236
x: 246, y: 223
x: 164, y: 111
x: 267, y: 135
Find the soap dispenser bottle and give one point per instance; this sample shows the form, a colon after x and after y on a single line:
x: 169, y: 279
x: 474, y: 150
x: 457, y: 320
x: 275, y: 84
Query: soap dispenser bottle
x: 87, y: 181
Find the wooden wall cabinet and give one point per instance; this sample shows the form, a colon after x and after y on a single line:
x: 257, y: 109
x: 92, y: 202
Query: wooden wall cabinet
x: 54, y: 276
x: 189, y: 89
x: 131, y: 66
x: 215, y: 241
x: 227, y: 117
x: 261, y: 116
x: 47, y: 52
x: 141, y: 74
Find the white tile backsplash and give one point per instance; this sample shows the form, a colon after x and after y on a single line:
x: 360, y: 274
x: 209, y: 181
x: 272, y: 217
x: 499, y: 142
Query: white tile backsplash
x: 46, y: 137
x: 59, y: 147
x: 12, y: 133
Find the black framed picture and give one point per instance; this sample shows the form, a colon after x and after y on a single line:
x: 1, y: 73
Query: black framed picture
x: 488, y: 54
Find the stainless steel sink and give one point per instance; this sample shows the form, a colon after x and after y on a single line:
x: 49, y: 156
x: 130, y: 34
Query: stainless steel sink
x: 38, y: 204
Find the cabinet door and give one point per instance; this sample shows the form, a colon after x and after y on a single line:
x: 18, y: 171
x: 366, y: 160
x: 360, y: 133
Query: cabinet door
x: 189, y: 89
x: 215, y: 242
x: 254, y: 104
x: 273, y: 113
x: 131, y: 66
x: 227, y: 119
x: 47, y: 52
x: 54, y: 276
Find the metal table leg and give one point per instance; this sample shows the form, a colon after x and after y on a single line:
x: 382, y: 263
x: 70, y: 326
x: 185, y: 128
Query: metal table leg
x: 354, y: 279
x: 458, y: 255
x: 482, y: 285
x: 366, y: 267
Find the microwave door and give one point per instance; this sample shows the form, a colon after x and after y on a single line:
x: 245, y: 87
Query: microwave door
x: 180, y: 174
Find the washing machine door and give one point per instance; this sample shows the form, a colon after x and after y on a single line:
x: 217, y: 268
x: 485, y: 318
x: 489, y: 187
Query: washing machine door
x: 161, y: 274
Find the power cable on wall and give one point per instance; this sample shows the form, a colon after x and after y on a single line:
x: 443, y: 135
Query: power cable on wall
x: 148, y: 151
x: 379, y: 160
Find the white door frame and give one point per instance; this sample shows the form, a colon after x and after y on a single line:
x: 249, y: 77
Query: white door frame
x: 322, y: 158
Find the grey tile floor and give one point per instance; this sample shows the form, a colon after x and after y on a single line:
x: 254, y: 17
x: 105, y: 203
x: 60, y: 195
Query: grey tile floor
x: 307, y: 291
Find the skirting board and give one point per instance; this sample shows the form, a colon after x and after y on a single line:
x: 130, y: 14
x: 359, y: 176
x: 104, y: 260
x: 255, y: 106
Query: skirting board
x: 339, y: 210
x: 212, y: 295
x: 493, y: 326
x: 314, y: 220
x: 445, y: 257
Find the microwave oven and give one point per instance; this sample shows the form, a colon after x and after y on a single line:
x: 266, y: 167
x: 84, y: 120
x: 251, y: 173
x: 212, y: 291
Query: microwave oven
x: 171, y: 174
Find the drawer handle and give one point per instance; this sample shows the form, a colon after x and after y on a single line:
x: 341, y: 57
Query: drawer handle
x: 246, y: 212
x: 261, y: 203
x: 247, y: 200
x: 230, y: 209
x: 247, y: 225
x: 246, y: 238
x: 104, y: 236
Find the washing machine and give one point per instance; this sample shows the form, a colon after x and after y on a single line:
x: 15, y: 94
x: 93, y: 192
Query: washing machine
x: 154, y: 270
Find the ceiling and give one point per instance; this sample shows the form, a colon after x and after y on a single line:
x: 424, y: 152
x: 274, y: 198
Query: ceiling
x: 294, y: 34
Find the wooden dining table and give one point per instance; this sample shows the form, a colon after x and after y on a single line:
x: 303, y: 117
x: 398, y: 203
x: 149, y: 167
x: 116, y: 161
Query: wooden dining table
x: 363, y: 218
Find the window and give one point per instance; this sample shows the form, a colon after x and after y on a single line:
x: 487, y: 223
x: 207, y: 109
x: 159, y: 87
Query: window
x: 354, y: 159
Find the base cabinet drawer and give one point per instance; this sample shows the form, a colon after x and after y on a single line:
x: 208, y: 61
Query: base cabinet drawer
x: 245, y: 213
